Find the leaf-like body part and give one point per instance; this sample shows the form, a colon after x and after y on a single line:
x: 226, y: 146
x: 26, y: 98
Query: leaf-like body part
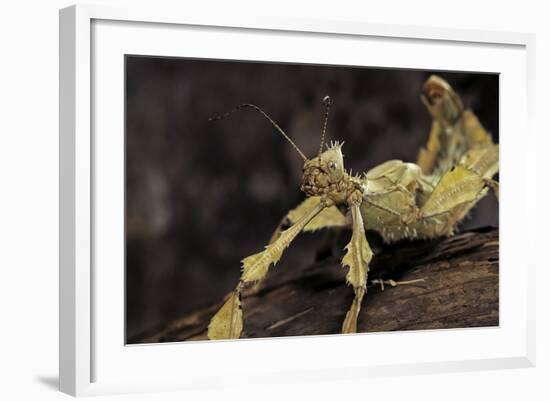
x: 256, y: 266
x: 474, y: 131
x: 228, y: 322
x: 428, y: 156
x: 483, y: 160
x: 329, y: 217
x: 359, y: 254
x: 441, y: 100
x: 358, y: 257
x: 457, y: 187
x: 350, y: 322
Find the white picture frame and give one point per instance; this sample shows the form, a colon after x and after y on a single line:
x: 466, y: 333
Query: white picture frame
x: 93, y: 357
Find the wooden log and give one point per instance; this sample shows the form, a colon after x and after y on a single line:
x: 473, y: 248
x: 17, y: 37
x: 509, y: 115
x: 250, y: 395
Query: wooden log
x: 460, y: 289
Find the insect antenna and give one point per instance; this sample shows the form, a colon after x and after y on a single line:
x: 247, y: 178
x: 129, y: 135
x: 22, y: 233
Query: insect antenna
x: 256, y: 108
x: 326, y: 102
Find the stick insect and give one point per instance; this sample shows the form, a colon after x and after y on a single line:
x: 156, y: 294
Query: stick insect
x: 399, y: 200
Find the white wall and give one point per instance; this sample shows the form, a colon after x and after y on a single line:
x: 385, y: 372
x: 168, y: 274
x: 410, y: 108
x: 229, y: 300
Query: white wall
x: 29, y: 211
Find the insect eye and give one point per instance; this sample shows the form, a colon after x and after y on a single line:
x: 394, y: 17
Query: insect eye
x: 332, y: 166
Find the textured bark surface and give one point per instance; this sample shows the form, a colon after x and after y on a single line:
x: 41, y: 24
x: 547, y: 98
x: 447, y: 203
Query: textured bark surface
x: 460, y: 289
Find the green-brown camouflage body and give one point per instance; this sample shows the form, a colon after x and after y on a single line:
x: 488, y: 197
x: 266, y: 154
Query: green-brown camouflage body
x: 426, y: 199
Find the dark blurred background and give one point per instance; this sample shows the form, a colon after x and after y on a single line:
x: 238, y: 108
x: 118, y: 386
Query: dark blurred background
x: 202, y: 195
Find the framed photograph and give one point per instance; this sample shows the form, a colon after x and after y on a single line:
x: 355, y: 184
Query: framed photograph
x: 238, y: 191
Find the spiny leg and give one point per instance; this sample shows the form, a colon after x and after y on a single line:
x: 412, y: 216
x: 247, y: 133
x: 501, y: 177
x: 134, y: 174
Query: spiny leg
x: 329, y: 217
x: 227, y: 323
x: 357, y: 259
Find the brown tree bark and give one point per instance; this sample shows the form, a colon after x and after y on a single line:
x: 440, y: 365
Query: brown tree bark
x: 460, y: 289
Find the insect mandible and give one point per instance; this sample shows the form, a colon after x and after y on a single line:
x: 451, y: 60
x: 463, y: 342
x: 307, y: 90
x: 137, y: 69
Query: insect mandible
x: 399, y: 200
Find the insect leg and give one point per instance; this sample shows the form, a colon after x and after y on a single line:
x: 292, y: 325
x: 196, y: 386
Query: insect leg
x: 357, y: 258
x: 329, y: 217
x: 227, y: 323
x: 427, y: 157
